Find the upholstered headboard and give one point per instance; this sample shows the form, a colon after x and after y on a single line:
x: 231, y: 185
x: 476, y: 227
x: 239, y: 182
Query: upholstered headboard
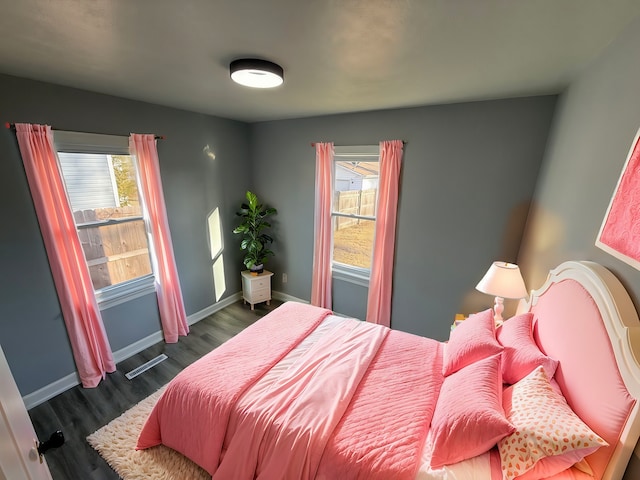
x: 585, y: 319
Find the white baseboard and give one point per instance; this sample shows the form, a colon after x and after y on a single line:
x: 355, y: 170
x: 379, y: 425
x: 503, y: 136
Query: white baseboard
x: 49, y: 391
x: 136, y: 347
x: 65, y: 383
x: 211, y: 309
x: 283, y: 297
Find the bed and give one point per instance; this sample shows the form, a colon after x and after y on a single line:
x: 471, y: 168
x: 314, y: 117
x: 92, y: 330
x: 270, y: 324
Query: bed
x: 302, y: 393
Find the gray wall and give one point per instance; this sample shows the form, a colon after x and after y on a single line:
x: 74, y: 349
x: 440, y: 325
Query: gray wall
x: 469, y: 173
x: 459, y: 207
x: 468, y: 176
x: 32, y: 332
x: 597, y: 119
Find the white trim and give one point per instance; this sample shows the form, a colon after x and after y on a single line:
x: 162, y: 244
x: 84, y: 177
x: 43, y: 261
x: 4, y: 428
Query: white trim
x: 47, y: 392
x: 353, y: 215
x: 157, y: 337
x: 346, y: 273
x: 614, y: 253
x: 284, y: 297
x: 211, y: 309
x: 603, y: 246
x: 622, y: 325
x: 114, y: 182
x: 356, y: 151
x: 81, y: 142
x: 364, y: 153
x: 121, y: 293
x: 619, y: 315
x: 137, y: 347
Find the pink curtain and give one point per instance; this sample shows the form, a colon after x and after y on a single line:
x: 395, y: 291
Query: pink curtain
x: 380, y: 285
x: 170, y: 304
x: 89, y: 343
x: 321, y: 280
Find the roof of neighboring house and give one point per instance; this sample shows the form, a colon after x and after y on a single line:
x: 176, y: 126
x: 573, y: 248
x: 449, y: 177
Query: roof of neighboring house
x: 366, y: 169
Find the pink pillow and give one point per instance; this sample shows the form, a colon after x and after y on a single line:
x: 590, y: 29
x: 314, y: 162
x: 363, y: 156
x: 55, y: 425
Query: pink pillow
x: 472, y: 340
x: 549, y: 436
x: 464, y: 426
x: 521, y: 354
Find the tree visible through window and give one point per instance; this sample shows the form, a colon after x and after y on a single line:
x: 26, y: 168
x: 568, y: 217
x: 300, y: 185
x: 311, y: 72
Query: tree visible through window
x: 103, y: 193
x: 124, y: 172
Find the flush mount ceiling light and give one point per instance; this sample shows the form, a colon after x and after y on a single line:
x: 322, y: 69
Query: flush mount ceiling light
x: 252, y: 72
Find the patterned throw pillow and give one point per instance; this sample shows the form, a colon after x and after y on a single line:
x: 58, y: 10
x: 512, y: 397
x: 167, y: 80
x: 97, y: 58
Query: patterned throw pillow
x: 546, y: 428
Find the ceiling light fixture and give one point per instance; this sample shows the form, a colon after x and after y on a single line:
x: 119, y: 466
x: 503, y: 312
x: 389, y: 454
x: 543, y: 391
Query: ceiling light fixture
x: 252, y: 72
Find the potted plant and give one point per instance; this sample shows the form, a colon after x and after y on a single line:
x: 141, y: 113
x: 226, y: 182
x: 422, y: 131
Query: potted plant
x: 254, y: 221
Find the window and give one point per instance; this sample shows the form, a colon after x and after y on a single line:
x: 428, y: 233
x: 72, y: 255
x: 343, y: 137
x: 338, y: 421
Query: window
x: 355, y: 195
x: 100, y: 178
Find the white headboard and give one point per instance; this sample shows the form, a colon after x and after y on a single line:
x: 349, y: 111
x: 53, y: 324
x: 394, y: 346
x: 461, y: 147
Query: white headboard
x: 569, y: 319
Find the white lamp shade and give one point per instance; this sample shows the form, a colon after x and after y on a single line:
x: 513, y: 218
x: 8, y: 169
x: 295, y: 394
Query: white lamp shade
x: 503, y: 280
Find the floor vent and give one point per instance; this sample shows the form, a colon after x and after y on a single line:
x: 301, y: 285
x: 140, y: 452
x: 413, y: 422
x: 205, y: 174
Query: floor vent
x: 146, y: 366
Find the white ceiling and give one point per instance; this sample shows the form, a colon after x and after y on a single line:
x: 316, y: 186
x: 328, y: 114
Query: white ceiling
x: 338, y: 55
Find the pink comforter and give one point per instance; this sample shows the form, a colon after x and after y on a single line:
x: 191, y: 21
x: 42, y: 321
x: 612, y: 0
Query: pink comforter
x: 382, y: 433
x: 359, y: 406
x: 192, y: 415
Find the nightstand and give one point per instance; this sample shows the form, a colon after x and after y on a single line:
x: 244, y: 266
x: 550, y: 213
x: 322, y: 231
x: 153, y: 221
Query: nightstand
x: 256, y: 288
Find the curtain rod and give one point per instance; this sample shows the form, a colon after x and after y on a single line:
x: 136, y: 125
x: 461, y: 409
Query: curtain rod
x: 313, y: 144
x: 12, y: 126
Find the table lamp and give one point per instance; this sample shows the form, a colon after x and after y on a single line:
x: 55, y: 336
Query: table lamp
x: 502, y: 280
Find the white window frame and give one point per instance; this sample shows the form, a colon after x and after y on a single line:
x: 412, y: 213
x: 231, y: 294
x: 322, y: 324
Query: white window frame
x: 341, y: 271
x: 79, y: 142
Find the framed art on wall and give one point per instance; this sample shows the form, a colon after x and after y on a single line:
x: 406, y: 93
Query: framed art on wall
x: 620, y: 231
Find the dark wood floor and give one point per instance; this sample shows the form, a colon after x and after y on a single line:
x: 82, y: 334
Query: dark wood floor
x: 79, y: 411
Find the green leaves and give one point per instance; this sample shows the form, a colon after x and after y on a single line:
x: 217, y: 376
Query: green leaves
x: 241, y: 229
x: 252, y: 198
x: 254, y: 240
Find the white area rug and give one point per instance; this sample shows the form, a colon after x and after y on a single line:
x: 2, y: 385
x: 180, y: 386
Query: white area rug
x: 116, y: 442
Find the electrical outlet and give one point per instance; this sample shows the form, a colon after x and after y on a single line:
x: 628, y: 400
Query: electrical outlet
x: 284, y: 278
